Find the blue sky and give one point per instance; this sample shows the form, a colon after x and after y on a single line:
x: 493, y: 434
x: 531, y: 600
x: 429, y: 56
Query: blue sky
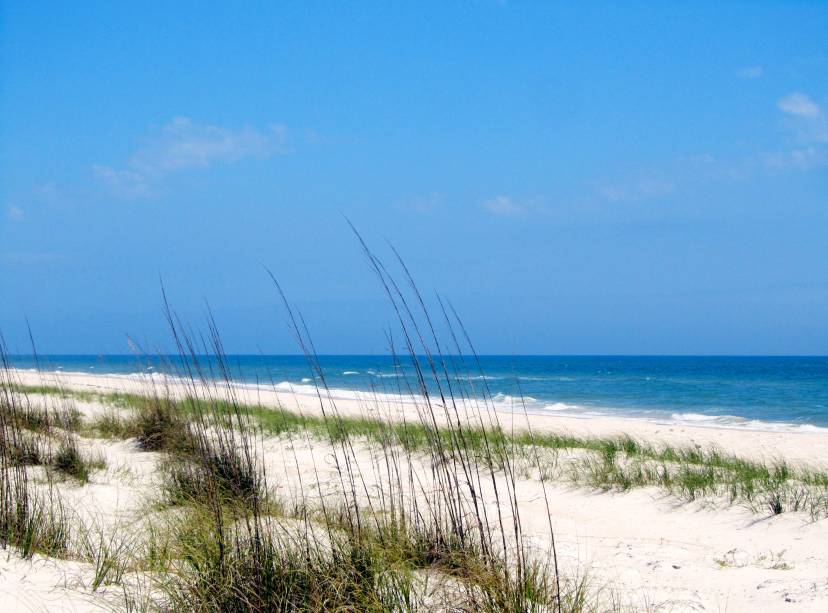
x: 643, y: 178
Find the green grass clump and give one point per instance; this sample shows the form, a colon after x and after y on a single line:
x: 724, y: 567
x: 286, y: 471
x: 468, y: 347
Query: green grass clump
x: 189, y: 480
x: 34, y: 524
x: 271, y: 574
x: 265, y: 563
x: 159, y: 425
x: 22, y: 449
x: 31, y: 418
x: 69, y: 460
x: 108, y: 552
x: 111, y: 424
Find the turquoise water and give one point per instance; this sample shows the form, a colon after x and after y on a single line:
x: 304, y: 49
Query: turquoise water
x: 761, y: 392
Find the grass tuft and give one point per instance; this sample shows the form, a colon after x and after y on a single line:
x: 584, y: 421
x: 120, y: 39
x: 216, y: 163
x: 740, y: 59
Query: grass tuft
x: 69, y: 460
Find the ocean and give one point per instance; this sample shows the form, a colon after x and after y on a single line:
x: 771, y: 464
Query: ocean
x: 776, y: 393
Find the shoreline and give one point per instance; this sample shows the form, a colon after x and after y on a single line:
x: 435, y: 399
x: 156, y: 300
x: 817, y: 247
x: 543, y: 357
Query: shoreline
x: 643, y: 546
x: 550, y: 406
x: 666, y: 394
x: 807, y: 447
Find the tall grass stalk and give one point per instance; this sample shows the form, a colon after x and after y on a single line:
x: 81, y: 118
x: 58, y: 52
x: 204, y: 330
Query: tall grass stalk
x: 397, y: 523
x: 31, y: 520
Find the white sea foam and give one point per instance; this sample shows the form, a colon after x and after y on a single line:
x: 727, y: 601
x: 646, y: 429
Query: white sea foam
x: 506, y: 399
x: 559, y: 406
x: 734, y: 421
x: 476, y: 378
x: 694, y: 417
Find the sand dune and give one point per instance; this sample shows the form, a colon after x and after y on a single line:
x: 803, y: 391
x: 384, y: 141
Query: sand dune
x: 644, y: 548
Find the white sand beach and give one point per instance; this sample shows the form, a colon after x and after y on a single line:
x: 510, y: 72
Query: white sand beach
x: 643, y: 548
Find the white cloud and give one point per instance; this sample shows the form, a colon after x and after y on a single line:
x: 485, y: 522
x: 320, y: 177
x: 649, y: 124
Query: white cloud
x: 800, y: 105
x: 503, y: 205
x: 127, y: 183
x: 810, y: 125
x: 797, y: 159
x: 750, y: 72
x: 183, y: 145
x: 806, y: 117
x: 15, y: 213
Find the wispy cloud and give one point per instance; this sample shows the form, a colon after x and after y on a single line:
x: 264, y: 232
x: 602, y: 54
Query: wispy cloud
x: 184, y: 145
x: 750, y: 72
x: 504, y: 205
x: 805, y: 158
x: 809, y: 120
x: 127, y: 183
x: 15, y: 213
x: 800, y: 105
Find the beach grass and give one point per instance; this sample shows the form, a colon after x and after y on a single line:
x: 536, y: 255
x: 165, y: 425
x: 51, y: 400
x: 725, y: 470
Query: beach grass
x: 610, y: 463
x: 238, y: 548
x: 71, y: 461
x: 31, y: 520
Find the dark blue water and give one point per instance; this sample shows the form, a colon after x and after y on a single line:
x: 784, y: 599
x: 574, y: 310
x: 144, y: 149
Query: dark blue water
x: 773, y: 392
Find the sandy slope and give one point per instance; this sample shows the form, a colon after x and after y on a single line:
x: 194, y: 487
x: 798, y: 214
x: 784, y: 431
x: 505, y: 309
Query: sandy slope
x: 645, y: 548
x: 112, y: 505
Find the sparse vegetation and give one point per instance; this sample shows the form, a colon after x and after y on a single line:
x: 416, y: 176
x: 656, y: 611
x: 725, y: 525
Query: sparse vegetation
x: 607, y: 463
x: 69, y: 460
x: 33, y: 521
x: 109, y: 553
